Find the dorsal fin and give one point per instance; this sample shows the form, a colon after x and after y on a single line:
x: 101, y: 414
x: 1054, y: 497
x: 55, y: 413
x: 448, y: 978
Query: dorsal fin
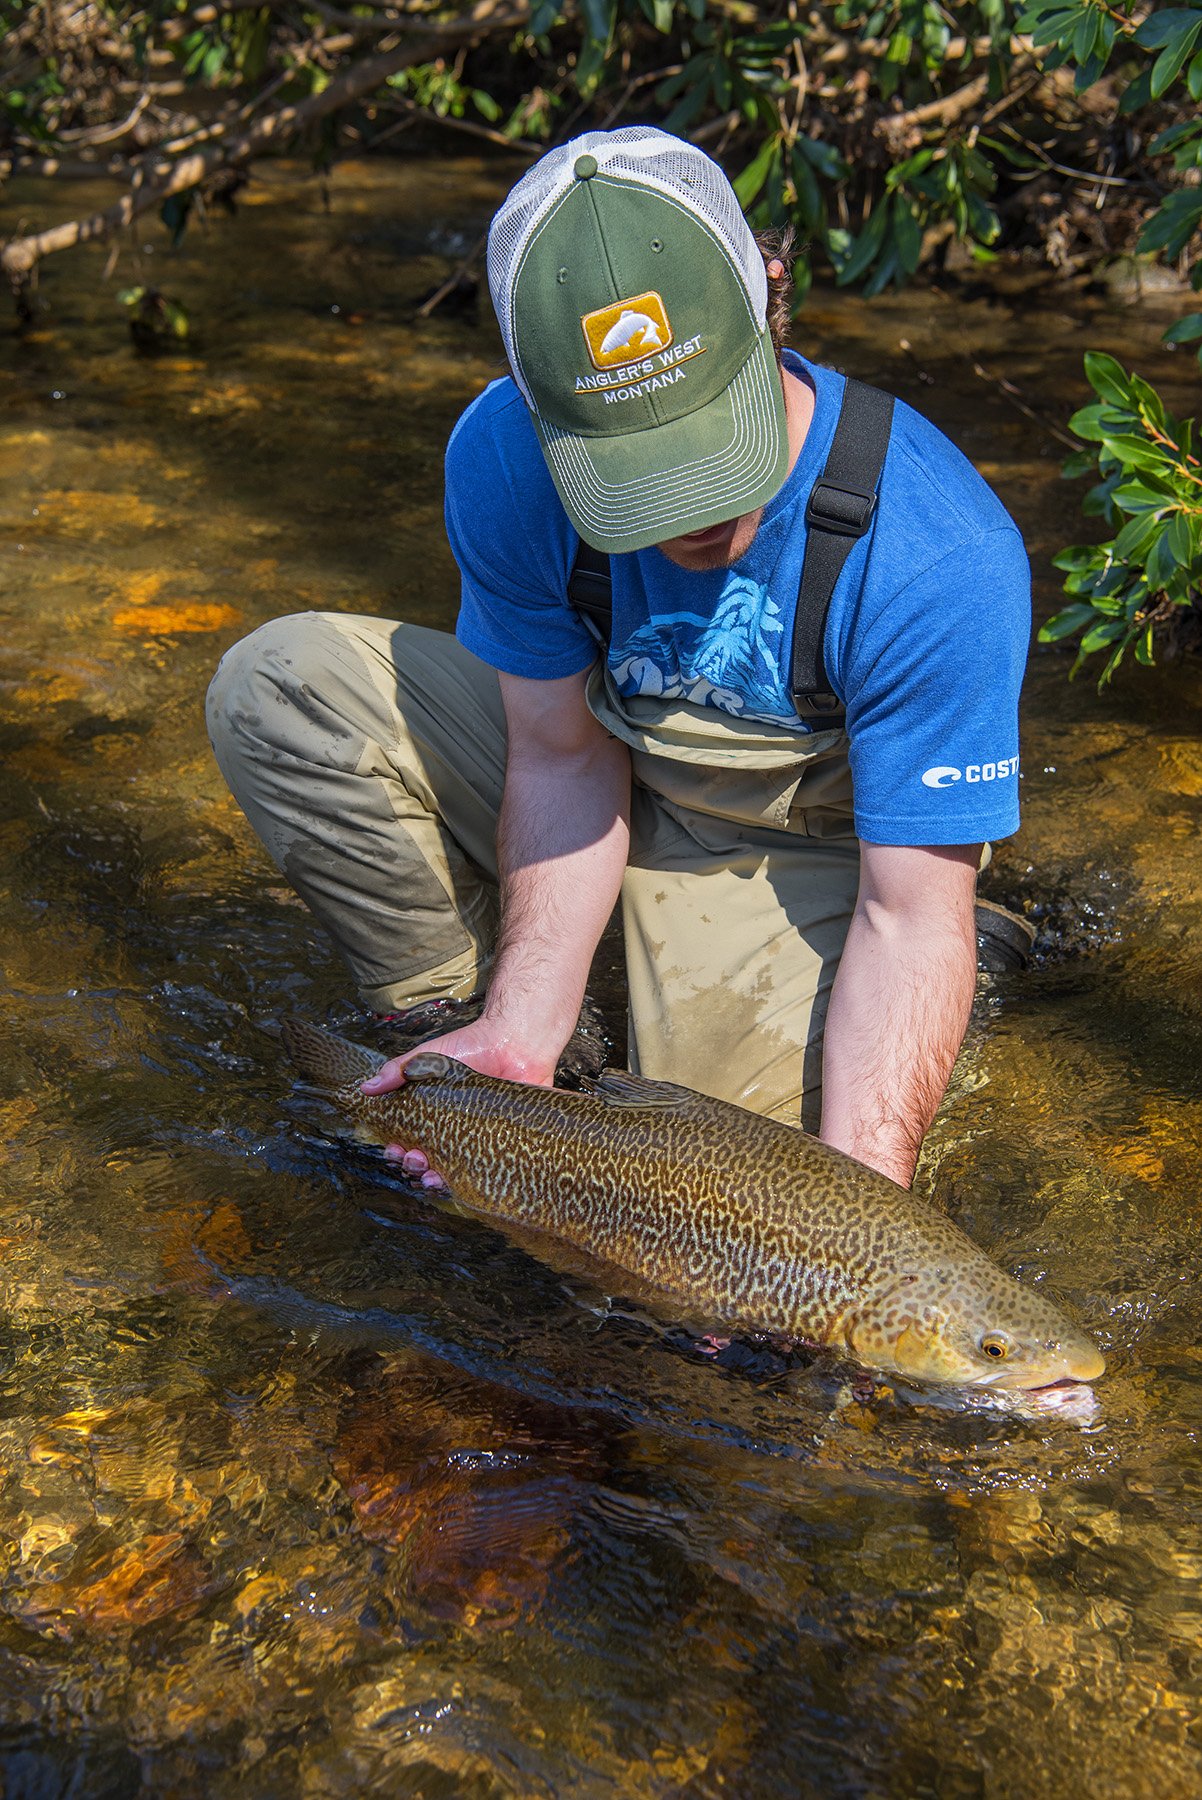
x: 326, y: 1060
x: 618, y: 1087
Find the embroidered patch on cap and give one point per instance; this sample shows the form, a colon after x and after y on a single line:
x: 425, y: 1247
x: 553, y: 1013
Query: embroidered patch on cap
x: 617, y: 334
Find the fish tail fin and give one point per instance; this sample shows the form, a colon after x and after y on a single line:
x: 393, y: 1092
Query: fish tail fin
x: 327, y: 1062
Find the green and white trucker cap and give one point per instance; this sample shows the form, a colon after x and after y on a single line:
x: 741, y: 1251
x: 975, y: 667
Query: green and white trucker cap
x: 632, y: 300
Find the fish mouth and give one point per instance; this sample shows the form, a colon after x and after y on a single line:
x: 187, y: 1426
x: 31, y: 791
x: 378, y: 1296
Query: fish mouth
x: 1083, y: 1364
x: 1083, y: 1369
x: 1072, y: 1401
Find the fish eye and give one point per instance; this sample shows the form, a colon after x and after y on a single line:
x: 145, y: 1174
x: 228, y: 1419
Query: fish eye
x: 994, y: 1345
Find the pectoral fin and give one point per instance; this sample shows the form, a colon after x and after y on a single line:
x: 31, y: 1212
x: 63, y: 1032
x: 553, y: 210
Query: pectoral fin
x: 431, y: 1065
x: 618, y: 1087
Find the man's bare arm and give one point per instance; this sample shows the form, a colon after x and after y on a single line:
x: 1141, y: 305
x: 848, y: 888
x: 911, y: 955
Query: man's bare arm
x: 562, y: 844
x: 900, y: 1003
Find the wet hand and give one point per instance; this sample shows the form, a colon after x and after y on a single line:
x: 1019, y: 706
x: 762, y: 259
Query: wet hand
x: 484, y: 1046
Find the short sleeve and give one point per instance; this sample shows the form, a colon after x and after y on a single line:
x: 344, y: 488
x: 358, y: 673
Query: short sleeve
x: 931, y: 691
x: 514, y: 546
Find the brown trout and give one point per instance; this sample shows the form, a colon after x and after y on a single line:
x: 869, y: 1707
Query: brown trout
x: 725, y: 1216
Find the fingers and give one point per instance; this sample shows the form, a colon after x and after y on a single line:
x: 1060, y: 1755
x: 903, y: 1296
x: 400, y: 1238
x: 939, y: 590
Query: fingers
x: 415, y: 1163
x: 388, y: 1076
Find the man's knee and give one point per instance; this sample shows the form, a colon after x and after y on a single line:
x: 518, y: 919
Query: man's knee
x: 286, y: 692
x: 252, y: 669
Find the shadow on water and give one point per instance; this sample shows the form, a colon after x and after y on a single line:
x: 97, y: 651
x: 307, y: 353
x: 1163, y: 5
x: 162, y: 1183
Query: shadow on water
x: 312, y: 1485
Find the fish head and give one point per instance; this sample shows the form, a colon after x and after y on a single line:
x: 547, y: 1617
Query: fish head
x: 977, y: 1328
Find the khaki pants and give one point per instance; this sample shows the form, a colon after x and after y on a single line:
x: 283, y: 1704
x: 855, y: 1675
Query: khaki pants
x: 370, y: 759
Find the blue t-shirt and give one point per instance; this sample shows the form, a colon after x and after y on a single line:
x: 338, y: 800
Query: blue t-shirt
x: 926, y: 637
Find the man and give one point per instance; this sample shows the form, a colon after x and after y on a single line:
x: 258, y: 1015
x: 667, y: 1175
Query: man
x: 797, y: 891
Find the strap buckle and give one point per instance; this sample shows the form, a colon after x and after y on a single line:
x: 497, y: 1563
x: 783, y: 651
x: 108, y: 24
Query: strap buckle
x: 843, y: 510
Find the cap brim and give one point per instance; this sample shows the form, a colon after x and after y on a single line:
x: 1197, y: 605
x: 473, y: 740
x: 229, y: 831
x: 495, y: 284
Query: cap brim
x: 637, y: 488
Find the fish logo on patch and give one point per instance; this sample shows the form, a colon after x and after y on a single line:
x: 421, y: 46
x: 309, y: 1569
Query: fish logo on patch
x: 628, y: 329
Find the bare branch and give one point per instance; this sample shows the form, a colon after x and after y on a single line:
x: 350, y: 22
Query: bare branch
x: 156, y: 178
x: 454, y: 278
x: 87, y: 138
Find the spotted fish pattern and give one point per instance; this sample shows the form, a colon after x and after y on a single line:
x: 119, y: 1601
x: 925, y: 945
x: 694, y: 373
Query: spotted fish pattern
x: 749, y: 1223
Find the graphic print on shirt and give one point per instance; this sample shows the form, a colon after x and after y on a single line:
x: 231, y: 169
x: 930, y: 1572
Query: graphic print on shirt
x: 730, y: 659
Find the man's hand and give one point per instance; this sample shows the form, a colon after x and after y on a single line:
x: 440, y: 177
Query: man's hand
x: 900, y: 1003
x: 482, y: 1046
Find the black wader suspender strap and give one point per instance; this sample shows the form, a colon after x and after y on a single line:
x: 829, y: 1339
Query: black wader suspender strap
x: 590, y: 590
x: 838, y: 513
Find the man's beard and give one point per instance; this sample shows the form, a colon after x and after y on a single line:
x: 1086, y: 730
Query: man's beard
x: 699, y: 557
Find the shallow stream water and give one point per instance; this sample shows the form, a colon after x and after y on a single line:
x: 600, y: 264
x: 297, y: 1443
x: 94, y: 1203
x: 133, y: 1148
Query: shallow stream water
x: 309, y: 1486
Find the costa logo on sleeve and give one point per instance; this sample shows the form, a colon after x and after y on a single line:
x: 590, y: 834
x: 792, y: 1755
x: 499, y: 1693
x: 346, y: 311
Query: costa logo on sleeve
x: 628, y: 329
x: 944, y: 775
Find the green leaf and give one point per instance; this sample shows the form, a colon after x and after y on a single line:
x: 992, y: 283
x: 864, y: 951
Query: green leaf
x: 1136, y: 538
x: 1179, y: 544
x: 722, y: 84
x: 748, y: 184
x: 809, y: 198
x: 1193, y: 80
x: 1185, y: 330
x: 598, y: 20
x: 1171, y: 61
x: 1174, y: 136
x: 1107, y: 377
x: 176, y: 317
x: 1135, y: 496
x: 913, y: 165
x: 1063, y: 624
x: 1085, y: 35
x: 1049, y: 24
x: 1143, y: 648
x: 1088, y: 423
x: 688, y: 109
x: 1078, y: 557
x: 1135, y: 452
x: 1081, y: 462
x: 867, y: 247
x: 907, y: 234
x: 1104, y: 632
x: 1097, y: 502
x: 1163, y: 27
x: 589, y: 64
x: 1138, y: 94
x: 803, y: 280
x: 174, y: 213
x: 659, y: 12
x: 982, y: 219
x: 1161, y: 565
x: 824, y: 158
x: 1173, y: 223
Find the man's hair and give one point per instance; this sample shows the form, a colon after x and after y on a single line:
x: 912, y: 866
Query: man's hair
x: 776, y: 245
